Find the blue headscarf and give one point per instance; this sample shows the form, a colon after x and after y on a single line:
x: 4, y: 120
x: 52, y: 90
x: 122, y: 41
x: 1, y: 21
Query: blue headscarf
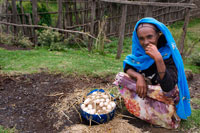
x: 141, y: 61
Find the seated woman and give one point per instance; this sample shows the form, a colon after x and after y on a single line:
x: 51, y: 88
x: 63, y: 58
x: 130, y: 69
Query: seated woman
x: 154, y: 85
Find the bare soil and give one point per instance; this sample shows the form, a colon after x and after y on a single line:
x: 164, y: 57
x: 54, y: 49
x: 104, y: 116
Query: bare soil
x: 26, y: 101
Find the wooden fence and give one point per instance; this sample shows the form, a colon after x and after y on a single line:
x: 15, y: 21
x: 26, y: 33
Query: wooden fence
x: 85, y: 16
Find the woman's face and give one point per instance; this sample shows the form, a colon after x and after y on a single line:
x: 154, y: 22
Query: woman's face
x: 147, y: 35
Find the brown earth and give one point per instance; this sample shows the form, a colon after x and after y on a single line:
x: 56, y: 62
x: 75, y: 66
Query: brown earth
x: 33, y: 102
x: 26, y: 101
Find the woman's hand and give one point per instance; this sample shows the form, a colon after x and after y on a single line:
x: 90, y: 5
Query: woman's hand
x: 141, y: 87
x: 152, y: 51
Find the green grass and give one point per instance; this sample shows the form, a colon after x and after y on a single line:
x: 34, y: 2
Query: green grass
x: 70, y: 62
x: 7, y: 130
x: 193, y: 121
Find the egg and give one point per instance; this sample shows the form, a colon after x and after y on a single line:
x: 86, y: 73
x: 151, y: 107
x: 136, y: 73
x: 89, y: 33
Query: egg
x: 92, y: 111
x: 104, y: 108
x: 102, y: 100
x: 108, y: 110
x: 107, y: 100
x: 113, y: 104
x: 109, y: 107
x: 85, y: 109
x: 101, y: 104
x: 106, y: 103
x: 89, y: 106
x: 94, y: 93
x: 97, y: 101
x: 82, y: 106
x: 105, y: 96
x: 87, y: 101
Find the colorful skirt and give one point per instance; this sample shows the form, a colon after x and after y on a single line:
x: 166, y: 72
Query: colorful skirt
x: 158, y: 107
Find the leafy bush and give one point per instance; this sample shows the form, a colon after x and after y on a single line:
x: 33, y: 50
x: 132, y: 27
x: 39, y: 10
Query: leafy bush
x: 19, y: 40
x: 22, y: 41
x: 50, y: 39
x: 6, y: 38
x: 195, y: 58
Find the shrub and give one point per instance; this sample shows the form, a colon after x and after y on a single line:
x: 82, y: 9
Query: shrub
x: 195, y: 58
x: 50, y: 39
x: 19, y: 40
x: 22, y: 41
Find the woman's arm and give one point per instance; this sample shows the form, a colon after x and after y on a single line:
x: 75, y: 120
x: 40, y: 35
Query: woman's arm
x: 153, y: 52
x: 141, y: 87
x: 167, y: 75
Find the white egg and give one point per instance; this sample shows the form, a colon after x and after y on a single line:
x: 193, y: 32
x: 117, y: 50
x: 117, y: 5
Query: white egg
x: 108, y: 110
x: 97, y: 97
x: 85, y: 109
x: 104, y: 108
x: 105, y: 96
x: 101, y: 104
x: 89, y: 111
x: 87, y: 101
x: 97, y: 101
x: 93, y: 97
x: 106, y: 103
x: 82, y: 106
x: 94, y: 93
x: 113, y: 104
x: 102, y: 100
x: 89, y: 106
x: 92, y: 111
x: 107, y: 100
x: 109, y: 107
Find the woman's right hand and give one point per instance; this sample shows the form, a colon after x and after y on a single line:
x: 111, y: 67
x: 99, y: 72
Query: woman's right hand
x: 141, y: 86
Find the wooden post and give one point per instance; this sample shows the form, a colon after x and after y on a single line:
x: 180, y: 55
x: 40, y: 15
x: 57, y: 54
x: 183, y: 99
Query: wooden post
x: 14, y: 17
x: 34, y: 11
x: 93, y: 12
x: 35, y: 18
x: 31, y: 29
x: 182, y: 40
x: 59, y: 22
x: 149, y: 11
x: 121, y: 31
x: 23, y: 18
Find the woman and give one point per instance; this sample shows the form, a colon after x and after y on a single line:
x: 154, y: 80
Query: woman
x: 154, y: 86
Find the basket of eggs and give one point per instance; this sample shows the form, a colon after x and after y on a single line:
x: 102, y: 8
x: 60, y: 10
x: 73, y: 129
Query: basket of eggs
x: 98, y: 106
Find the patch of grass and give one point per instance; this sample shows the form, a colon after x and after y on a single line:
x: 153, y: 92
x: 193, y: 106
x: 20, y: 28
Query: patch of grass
x: 70, y: 62
x: 195, y: 69
x: 193, y: 121
x: 7, y: 130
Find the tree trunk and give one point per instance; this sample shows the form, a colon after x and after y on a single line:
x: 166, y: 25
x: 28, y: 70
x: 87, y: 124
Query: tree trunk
x: 121, y: 31
x: 93, y: 12
x: 59, y: 22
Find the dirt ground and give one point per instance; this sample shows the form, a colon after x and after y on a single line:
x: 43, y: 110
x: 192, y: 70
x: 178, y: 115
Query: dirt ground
x: 26, y: 101
x: 32, y: 102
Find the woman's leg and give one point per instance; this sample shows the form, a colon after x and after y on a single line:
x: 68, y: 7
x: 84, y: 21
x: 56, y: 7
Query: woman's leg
x: 157, y: 107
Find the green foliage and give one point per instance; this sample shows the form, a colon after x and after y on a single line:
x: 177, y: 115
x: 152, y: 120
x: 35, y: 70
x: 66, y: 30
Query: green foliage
x: 19, y: 40
x: 6, y: 38
x: 195, y: 58
x: 193, y: 121
x: 44, y: 18
x: 51, y: 39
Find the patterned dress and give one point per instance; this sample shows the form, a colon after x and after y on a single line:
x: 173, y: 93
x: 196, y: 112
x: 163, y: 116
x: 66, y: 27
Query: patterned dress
x: 158, y: 107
